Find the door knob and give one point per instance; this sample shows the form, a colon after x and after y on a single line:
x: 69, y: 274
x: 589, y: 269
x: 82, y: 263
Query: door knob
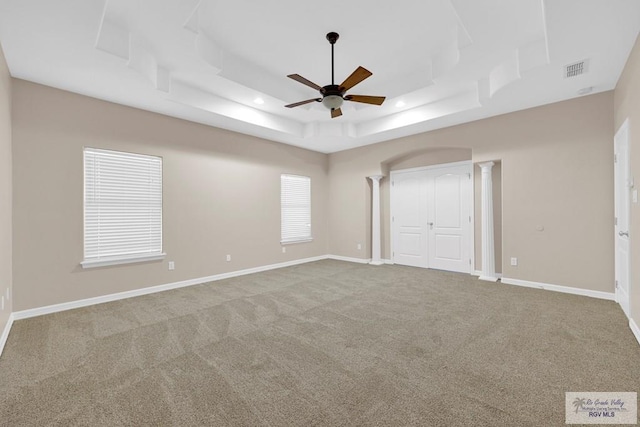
x: 623, y: 233
x: 430, y: 224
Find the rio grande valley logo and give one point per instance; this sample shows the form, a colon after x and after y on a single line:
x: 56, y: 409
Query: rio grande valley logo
x: 601, y: 408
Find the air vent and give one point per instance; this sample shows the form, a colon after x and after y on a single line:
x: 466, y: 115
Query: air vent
x: 576, y: 69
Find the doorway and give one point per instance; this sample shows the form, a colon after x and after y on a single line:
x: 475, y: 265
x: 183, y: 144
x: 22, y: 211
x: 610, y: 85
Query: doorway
x: 622, y: 186
x: 431, y: 217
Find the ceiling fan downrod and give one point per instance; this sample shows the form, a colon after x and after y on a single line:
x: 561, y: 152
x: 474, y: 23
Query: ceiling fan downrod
x: 333, y: 38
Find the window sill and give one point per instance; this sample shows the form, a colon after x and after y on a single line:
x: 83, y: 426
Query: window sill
x: 104, y: 262
x: 293, y: 242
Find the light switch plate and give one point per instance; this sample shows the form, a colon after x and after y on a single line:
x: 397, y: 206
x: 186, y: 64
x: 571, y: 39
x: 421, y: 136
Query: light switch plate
x: 634, y: 196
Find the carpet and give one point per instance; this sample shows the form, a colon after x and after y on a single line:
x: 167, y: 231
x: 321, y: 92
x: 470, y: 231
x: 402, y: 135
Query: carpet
x: 327, y: 343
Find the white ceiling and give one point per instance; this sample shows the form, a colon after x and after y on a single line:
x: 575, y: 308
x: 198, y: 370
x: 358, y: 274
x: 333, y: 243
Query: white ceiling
x: 439, y: 62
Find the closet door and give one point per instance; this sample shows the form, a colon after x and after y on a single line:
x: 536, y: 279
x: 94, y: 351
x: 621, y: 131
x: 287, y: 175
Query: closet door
x: 449, y: 218
x: 408, y: 218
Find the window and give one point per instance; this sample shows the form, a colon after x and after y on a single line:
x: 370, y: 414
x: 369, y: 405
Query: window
x: 122, y: 207
x: 295, y: 201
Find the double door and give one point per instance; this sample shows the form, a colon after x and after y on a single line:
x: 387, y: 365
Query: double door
x: 431, y: 217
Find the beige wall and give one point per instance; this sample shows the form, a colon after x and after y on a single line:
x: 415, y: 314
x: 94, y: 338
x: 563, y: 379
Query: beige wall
x: 5, y: 191
x: 221, y: 192
x: 221, y: 196
x: 627, y: 105
x: 557, y: 173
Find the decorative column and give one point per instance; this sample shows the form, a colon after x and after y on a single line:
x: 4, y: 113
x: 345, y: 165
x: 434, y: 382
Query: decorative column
x: 488, y: 251
x: 375, y: 220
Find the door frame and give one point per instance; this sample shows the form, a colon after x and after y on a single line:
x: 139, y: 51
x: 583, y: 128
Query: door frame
x: 625, y: 187
x: 472, y: 250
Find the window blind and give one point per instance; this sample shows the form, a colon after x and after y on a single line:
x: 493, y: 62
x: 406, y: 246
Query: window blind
x: 122, y: 205
x: 295, y: 208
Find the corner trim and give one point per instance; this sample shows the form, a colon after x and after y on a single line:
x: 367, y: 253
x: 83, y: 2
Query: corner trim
x: 25, y: 314
x: 5, y: 332
x: 564, y: 289
x: 635, y: 329
x: 479, y: 273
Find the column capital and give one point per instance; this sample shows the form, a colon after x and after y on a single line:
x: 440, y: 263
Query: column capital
x: 486, y: 165
x: 375, y: 177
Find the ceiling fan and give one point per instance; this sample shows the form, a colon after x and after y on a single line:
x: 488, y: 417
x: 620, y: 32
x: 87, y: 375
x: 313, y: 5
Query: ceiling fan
x: 334, y: 95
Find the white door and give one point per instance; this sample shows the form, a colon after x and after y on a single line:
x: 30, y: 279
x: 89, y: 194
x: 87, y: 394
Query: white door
x: 449, y: 218
x: 408, y: 216
x: 622, y: 190
x: 430, y: 214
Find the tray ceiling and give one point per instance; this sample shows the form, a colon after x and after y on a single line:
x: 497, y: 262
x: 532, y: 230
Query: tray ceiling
x: 439, y: 62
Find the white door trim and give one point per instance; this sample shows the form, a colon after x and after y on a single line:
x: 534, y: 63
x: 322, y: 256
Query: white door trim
x: 622, y: 263
x: 432, y: 167
x: 472, y: 248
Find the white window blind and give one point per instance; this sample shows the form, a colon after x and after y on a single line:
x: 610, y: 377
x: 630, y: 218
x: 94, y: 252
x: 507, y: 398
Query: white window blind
x: 295, y: 203
x: 122, y: 207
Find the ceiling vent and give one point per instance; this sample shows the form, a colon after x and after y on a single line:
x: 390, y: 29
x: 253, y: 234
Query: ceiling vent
x: 576, y: 69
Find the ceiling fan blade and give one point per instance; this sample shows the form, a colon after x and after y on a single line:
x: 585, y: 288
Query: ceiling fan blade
x: 297, y: 104
x: 336, y: 112
x: 365, y: 99
x: 356, y: 77
x: 299, y: 78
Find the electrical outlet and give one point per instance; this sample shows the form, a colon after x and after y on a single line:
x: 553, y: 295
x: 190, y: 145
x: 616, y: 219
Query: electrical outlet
x: 228, y: 257
x: 284, y: 249
x: 514, y: 261
x: 359, y: 246
x: 172, y: 265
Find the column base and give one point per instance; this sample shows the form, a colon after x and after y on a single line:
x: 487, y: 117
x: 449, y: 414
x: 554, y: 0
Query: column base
x: 488, y: 278
x: 376, y: 263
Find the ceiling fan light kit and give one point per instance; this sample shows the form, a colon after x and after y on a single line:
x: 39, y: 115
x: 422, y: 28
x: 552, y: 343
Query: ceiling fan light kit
x: 332, y: 101
x: 334, y: 95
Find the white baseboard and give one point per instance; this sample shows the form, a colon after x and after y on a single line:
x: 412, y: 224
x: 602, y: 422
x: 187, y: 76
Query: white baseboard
x: 564, y: 289
x: 635, y: 329
x: 25, y: 314
x: 358, y: 260
x: 5, y: 333
x: 349, y: 259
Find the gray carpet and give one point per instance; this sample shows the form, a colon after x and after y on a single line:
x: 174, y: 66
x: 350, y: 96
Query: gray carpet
x: 322, y: 344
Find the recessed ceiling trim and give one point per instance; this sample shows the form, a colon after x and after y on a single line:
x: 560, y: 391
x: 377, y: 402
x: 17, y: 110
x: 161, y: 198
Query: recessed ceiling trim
x: 113, y: 38
x: 186, y: 94
x: 507, y: 72
x: 462, y: 101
